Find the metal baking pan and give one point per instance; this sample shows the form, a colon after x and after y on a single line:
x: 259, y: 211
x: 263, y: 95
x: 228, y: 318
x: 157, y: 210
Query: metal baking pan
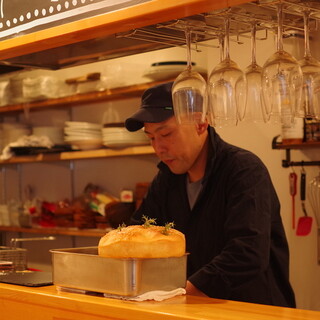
x: 82, y: 268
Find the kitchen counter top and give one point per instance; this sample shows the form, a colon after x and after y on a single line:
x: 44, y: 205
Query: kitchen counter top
x: 42, y: 303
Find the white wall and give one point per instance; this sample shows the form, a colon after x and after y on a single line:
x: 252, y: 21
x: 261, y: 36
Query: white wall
x: 113, y: 174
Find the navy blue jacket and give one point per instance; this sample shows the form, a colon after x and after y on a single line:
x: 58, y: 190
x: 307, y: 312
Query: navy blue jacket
x: 234, y: 233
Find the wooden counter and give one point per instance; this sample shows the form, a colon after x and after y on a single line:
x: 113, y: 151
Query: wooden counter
x: 17, y: 303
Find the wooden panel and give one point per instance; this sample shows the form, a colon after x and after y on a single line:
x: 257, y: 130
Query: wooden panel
x: 106, y: 24
x: 27, y: 16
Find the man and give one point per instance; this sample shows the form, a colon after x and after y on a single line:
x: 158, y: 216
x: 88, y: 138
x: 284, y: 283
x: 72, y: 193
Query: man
x: 222, y: 198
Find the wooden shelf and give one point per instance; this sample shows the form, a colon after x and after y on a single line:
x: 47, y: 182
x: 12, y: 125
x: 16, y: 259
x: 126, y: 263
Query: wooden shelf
x: 76, y: 155
x: 297, y: 146
x: 58, y: 231
x: 107, y: 95
x: 121, y: 93
x: 286, y: 163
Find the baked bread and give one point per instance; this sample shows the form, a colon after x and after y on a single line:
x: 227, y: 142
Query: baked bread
x: 139, y: 241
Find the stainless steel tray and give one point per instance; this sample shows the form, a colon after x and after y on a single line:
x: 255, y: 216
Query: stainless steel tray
x: 83, y: 268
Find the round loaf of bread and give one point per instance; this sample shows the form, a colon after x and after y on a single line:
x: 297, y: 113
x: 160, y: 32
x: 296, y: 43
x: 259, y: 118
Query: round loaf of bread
x: 142, y: 242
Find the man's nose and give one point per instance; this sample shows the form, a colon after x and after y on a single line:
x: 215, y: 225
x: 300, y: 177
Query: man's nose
x: 158, y: 146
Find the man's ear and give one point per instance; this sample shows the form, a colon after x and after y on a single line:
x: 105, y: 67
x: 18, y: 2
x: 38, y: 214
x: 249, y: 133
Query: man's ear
x: 202, y: 127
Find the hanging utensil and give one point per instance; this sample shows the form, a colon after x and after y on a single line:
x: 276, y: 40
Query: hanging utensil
x: 293, y: 192
x: 304, y: 223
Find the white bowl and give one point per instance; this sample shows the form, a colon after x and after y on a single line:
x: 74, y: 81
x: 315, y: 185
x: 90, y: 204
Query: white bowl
x: 124, y: 139
x: 114, y: 130
x: 123, y: 143
x: 82, y: 137
x: 83, y: 125
x: 86, y: 144
x: 83, y: 133
x: 127, y: 136
x: 68, y: 130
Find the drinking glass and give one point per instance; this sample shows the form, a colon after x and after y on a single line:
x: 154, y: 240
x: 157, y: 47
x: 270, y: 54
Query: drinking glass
x: 210, y: 114
x: 248, y: 88
x: 189, y: 92
x: 281, y: 80
x: 310, y: 67
x: 221, y: 87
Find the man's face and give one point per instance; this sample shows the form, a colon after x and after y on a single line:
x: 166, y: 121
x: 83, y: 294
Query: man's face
x: 178, y: 146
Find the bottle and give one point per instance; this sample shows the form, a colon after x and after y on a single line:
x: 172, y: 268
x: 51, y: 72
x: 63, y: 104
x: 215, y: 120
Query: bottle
x: 292, y: 132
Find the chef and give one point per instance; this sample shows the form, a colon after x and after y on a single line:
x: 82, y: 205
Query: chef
x: 222, y: 198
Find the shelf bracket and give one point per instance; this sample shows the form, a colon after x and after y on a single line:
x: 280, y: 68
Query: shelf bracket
x: 286, y: 163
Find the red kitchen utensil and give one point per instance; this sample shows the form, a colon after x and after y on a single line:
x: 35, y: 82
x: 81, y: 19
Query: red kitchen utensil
x: 293, y: 192
x: 304, y: 223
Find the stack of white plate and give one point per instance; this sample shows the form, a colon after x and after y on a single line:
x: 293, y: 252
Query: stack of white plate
x: 120, y: 137
x: 83, y: 135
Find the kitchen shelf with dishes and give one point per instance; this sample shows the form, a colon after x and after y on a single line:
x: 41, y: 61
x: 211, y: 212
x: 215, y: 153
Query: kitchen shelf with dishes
x: 115, y: 148
x: 287, y: 162
x: 112, y: 94
x: 120, y: 93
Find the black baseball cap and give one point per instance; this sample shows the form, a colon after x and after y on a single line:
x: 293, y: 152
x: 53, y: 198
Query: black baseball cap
x: 156, y: 106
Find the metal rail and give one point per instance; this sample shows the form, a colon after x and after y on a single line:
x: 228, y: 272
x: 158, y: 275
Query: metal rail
x: 287, y: 162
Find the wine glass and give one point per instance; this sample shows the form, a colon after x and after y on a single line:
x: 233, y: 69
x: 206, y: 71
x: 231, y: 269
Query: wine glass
x: 221, y: 87
x: 281, y: 80
x: 311, y: 77
x: 189, y: 92
x: 248, y: 88
x: 211, y: 117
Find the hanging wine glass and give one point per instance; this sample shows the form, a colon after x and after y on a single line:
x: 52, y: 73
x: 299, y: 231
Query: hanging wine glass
x: 221, y: 38
x: 281, y: 80
x: 248, y: 88
x: 189, y: 92
x: 221, y: 87
x: 311, y: 76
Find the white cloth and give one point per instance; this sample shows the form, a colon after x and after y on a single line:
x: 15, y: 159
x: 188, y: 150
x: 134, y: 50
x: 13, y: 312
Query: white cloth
x: 26, y: 141
x: 157, y: 295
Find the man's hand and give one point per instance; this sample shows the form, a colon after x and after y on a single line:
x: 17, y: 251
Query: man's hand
x: 194, y: 291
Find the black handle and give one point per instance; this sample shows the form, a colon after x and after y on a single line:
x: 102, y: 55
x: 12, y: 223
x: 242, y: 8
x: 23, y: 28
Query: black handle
x: 303, y: 186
